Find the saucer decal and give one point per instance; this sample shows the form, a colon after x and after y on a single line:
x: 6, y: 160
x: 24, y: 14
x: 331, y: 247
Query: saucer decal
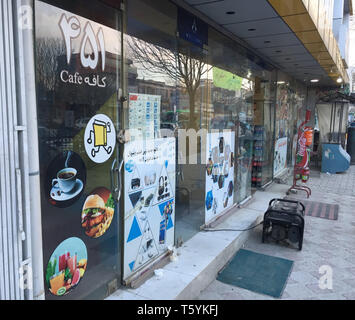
x: 65, y: 179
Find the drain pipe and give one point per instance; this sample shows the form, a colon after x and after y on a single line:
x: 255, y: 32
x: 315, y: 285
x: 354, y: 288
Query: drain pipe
x: 26, y: 60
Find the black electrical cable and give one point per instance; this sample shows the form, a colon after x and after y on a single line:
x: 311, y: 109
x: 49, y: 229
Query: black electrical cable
x: 213, y: 230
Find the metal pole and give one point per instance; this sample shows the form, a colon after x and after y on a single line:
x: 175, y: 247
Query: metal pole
x: 334, y: 120
x: 331, y: 124
x: 340, y: 121
x: 28, y: 103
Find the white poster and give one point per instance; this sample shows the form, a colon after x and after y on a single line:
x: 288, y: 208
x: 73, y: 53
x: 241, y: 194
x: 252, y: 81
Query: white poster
x: 144, y: 115
x: 219, y: 173
x: 280, y: 156
x: 149, y: 190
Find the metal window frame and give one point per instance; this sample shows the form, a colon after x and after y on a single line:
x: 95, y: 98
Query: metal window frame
x: 19, y: 207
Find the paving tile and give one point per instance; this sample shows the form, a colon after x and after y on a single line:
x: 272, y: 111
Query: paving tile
x: 326, y: 242
x: 166, y: 288
x: 124, y: 295
x: 303, y: 277
x: 298, y: 291
x: 349, y: 295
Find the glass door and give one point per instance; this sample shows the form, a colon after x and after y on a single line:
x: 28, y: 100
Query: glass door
x: 150, y: 151
x: 78, y: 56
x: 245, y: 144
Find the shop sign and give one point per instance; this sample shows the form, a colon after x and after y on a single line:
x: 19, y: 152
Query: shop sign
x: 192, y: 29
x: 226, y: 80
x: 71, y: 28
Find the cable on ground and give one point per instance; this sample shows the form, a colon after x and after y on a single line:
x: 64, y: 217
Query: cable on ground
x: 230, y: 229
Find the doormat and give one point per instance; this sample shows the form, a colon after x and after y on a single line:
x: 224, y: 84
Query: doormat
x: 319, y: 209
x: 257, y: 272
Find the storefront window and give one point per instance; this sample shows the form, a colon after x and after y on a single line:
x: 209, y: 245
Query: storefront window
x: 264, y: 115
x: 150, y: 157
x: 78, y: 49
x: 203, y: 87
x: 198, y: 111
x: 290, y: 100
x: 232, y: 82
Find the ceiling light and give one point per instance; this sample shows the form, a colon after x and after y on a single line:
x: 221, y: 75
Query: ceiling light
x: 315, y: 80
x: 280, y: 82
x: 339, y: 80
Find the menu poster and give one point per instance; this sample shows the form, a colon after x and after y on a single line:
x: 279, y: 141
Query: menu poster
x: 219, y: 188
x: 149, y: 210
x: 144, y: 115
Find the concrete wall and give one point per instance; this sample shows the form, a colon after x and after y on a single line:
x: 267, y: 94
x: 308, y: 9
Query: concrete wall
x: 341, y: 20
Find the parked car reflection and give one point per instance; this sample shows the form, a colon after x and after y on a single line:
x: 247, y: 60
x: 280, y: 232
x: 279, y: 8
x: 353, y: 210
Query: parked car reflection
x: 81, y: 123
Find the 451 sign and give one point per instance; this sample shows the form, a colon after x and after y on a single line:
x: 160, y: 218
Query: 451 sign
x: 71, y: 29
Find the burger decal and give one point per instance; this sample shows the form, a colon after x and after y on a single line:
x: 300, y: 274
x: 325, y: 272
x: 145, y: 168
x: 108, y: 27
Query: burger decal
x: 97, y: 213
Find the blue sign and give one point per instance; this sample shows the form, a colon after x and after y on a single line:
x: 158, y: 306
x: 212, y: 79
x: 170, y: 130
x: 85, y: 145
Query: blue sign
x: 192, y: 29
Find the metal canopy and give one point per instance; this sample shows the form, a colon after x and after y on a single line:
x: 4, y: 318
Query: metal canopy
x: 259, y: 25
x: 337, y: 97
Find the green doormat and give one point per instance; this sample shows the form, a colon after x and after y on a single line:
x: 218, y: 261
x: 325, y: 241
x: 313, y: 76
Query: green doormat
x: 257, y: 272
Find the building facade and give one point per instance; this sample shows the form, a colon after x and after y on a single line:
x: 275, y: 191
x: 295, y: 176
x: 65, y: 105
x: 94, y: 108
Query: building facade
x: 129, y: 125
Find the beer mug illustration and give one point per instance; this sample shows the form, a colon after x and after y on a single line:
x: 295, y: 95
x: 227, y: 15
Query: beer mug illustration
x: 100, y: 138
x: 100, y: 131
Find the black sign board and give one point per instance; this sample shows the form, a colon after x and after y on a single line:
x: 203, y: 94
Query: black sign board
x: 192, y: 29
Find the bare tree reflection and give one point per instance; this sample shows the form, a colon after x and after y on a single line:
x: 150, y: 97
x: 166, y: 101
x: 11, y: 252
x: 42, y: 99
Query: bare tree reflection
x: 184, y: 69
x: 47, y: 52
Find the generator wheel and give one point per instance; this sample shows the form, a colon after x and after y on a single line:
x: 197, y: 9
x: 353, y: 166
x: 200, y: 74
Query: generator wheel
x: 263, y: 236
x: 300, y: 246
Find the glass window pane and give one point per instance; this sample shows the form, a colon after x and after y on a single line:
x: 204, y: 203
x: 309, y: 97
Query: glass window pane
x: 78, y: 50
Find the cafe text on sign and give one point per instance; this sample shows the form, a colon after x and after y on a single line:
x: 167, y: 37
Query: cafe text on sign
x: 71, y: 29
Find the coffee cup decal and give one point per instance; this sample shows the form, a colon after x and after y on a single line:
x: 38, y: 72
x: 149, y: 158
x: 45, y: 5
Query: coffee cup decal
x: 66, y: 177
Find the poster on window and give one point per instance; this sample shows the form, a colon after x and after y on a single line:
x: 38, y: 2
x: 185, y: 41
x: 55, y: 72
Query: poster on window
x: 280, y: 156
x: 144, y: 115
x: 149, y: 213
x: 219, y: 188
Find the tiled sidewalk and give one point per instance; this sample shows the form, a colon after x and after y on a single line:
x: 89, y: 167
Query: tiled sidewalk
x: 326, y: 242
x: 342, y: 183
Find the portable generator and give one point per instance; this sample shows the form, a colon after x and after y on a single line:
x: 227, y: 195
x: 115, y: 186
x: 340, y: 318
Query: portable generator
x: 284, y: 221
